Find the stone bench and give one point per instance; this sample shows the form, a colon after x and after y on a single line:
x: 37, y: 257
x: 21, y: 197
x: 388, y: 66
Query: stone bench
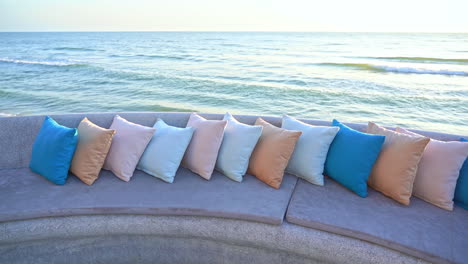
x: 197, y: 221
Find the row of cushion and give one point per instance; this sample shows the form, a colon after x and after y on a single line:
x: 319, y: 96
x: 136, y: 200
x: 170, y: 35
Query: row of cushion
x: 398, y: 164
x: 386, y: 160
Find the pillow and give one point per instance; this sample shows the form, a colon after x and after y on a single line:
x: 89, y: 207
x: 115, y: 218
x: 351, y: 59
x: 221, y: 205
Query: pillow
x: 395, y: 169
x: 53, y: 150
x: 308, y: 158
x: 202, y: 151
x: 238, y: 143
x: 438, y: 171
x: 93, y: 145
x: 272, y: 153
x: 351, y: 157
x: 461, y: 191
x: 128, y: 145
x: 164, y: 153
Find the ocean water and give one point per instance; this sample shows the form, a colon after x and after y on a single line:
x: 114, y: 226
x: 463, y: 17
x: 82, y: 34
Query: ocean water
x: 411, y: 80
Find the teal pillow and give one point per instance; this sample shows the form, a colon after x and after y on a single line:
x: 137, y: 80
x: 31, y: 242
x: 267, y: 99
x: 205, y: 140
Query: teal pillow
x: 351, y: 157
x: 165, y: 151
x: 238, y: 144
x: 461, y: 191
x: 53, y: 151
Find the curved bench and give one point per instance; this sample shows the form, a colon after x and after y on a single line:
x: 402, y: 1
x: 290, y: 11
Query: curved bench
x: 199, y: 221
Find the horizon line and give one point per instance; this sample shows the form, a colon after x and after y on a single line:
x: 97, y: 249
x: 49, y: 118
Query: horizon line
x: 230, y: 31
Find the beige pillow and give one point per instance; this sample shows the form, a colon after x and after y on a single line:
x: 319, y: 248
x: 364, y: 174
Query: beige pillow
x: 438, y: 171
x: 202, y: 152
x: 93, y: 145
x: 395, y: 169
x: 272, y: 153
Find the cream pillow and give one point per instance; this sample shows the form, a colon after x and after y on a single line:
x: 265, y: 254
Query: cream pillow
x: 439, y: 170
x: 93, y: 145
x: 202, y: 152
x: 272, y: 153
x: 395, y: 169
x: 128, y: 145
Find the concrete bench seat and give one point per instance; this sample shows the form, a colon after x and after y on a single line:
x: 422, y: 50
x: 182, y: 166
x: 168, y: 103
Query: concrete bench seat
x: 26, y: 195
x: 196, y: 221
x: 420, y: 229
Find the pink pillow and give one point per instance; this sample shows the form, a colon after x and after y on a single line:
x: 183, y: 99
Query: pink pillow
x: 202, y: 151
x: 438, y: 171
x: 128, y: 144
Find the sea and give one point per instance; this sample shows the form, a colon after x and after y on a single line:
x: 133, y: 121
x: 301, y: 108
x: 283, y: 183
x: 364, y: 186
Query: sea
x: 413, y: 80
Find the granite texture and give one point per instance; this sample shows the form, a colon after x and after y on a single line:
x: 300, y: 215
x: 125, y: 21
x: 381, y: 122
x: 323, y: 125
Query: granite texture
x: 17, y: 133
x: 180, y: 239
x: 420, y: 229
x: 27, y: 195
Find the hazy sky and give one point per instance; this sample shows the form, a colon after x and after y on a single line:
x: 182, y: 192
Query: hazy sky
x: 235, y: 15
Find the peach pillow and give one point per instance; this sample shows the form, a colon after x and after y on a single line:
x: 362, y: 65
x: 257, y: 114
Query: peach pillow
x: 394, y: 171
x: 93, y: 145
x: 202, y: 152
x: 272, y: 153
x: 128, y: 145
x: 438, y: 171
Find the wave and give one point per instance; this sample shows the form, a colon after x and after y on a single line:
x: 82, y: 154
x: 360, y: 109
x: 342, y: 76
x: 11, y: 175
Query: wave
x: 75, y: 49
x: 46, y: 63
x: 231, y: 45
x: 161, y: 57
x: 423, y: 59
x: 383, y: 68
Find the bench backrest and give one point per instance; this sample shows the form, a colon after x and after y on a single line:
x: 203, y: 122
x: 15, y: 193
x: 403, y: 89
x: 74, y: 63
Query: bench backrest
x: 17, y: 133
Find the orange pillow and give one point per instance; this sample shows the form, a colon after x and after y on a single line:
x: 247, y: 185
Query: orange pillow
x: 394, y: 171
x: 93, y: 145
x: 272, y: 153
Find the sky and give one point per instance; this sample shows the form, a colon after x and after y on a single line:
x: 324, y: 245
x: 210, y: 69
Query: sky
x: 235, y: 15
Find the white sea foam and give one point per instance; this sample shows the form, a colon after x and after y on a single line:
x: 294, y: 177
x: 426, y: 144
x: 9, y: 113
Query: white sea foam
x: 420, y: 71
x: 399, y: 68
x: 49, y: 63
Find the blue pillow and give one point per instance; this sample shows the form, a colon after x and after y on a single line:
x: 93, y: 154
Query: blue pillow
x: 165, y: 151
x: 308, y: 159
x: 351, y: 157
x: 53, y: 151
x: 239, y: 141
x: 461, y: 191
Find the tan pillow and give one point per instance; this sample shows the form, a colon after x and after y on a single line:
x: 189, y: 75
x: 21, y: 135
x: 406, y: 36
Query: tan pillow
x: 272, y: 153
x: 93, y: 145
x: 438, y: 171
x: 394, y: 171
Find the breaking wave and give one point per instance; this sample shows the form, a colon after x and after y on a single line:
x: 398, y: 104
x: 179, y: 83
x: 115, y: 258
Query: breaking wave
x: 46, y: 63
x: 384, y: 68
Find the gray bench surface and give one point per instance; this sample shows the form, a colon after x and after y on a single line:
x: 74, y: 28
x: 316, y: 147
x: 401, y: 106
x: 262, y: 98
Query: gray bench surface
x: 421, y: 229
x: 26, y: 195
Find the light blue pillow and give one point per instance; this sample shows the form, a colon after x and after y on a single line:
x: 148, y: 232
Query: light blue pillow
x: 238, y: 143
x: 53, y: 151
x: 165, y: 151
x: 351, y: 157
x: 310, y: 153
x: 461, y: 191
